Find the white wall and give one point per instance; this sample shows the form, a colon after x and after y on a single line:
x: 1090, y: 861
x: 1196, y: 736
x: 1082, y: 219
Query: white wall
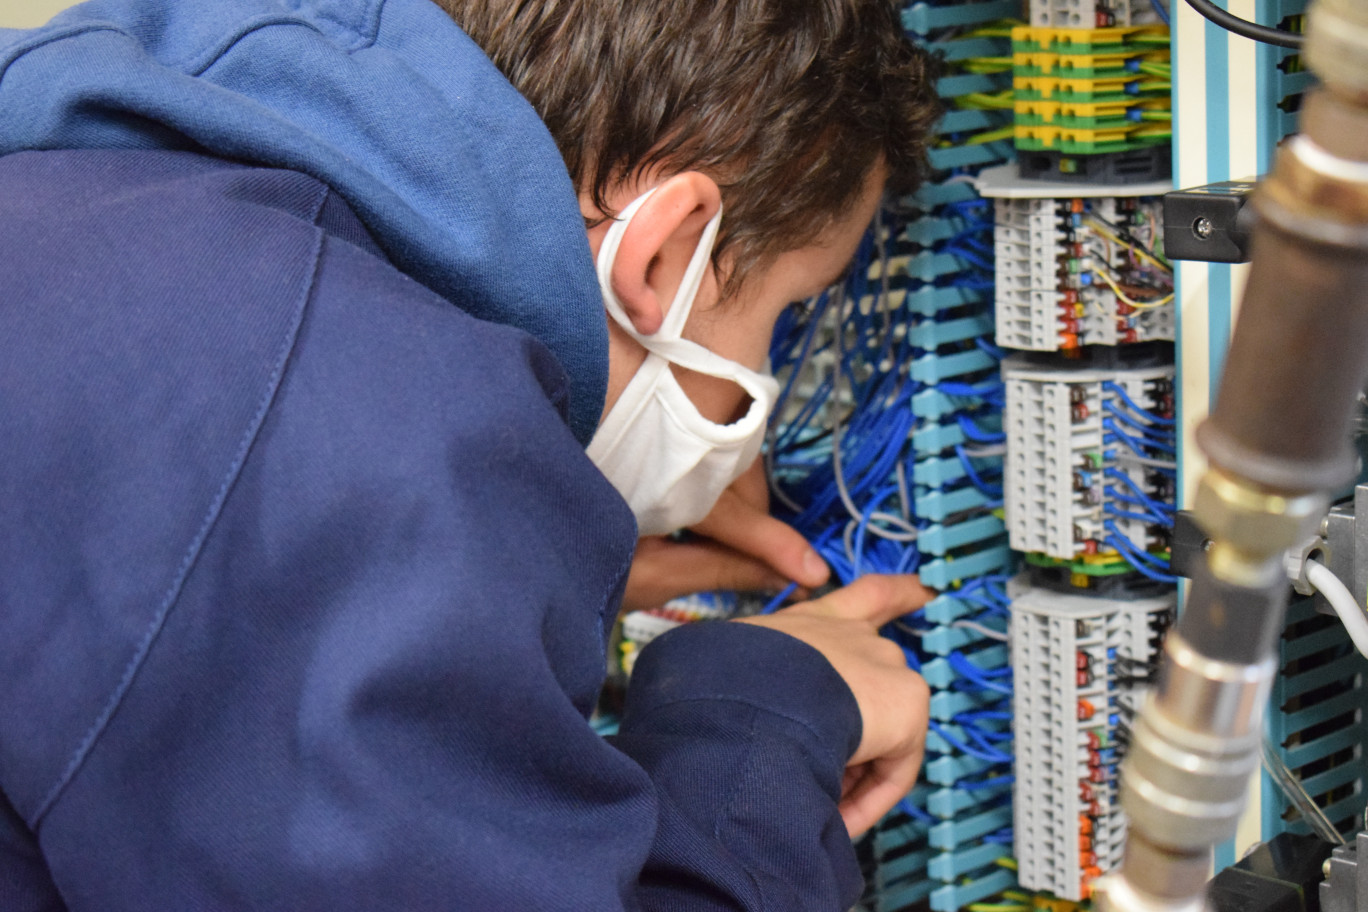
x: 28, y: 13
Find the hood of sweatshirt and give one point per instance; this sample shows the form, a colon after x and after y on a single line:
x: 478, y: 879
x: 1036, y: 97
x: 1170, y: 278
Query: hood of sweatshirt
x: 386, y: 101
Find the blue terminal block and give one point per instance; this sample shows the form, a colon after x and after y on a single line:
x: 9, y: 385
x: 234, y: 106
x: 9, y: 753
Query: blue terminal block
x: 929, y: 196
x: 949, y: 834
x: 906, y: 895
x: 955, y: 49
x: 938, y: 471
x: 972, y: 83
x: 927, y: 265
x: 947, y: 704
x: 946, y: 609
x: 936, y: 438
x: 930, y: 300
x: 929, y: 334
x: 938, y: 540
x: 945, y: 640
x: 956, y: 896
x: 923, y: 18
x: 911, y: 864
x: 970, y: 120
x: 935, y: 368
x: 939, y: 673
x: 950, y: 866
x: 950, y: 802
x: 972, y: 156
x: 949, y: 769
x: 932, y: 403
x: 931, y: 228
x: 944, y: 573
x: 937, y: 505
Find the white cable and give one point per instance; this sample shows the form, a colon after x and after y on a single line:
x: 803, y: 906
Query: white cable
x: 989, y: 632
x: 1128, y: 456
x: 1342, y: 600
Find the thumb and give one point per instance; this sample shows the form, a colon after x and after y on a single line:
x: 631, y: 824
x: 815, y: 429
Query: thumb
x: 747, y: 528
x: 875, y: 598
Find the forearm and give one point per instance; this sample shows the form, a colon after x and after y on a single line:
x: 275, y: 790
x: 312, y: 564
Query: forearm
x: 745, y: 733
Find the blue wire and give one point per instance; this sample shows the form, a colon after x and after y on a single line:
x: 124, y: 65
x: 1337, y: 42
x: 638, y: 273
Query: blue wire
x: 1121, y: 497
x: 989, y: 348
x: 1155, y: 575
x: 968, y: 256
x: 974, y: 433
x: 1146, y: 563
x: 916, y: 813
x: 1135, y: 443
x: 994, y: 782
x: 773, y: 604
x: 969, y: 390
x: 1119, y: 390
x: 991, y: 491
x: 1142, y: 557
x: 1138, y: 517
x: 993, y: 756
x: 1113, y: 472
x: 1162, y: 433
x: 1159, y: 10
x: 968, y: 670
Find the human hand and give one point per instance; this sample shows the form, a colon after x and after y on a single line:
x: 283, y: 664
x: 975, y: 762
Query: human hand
x: 894, y: 700
x: 741, y: 547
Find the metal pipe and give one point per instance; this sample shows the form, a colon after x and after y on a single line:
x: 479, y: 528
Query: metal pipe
x: 1277, y: 442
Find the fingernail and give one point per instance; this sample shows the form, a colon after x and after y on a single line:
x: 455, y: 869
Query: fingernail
x: 813, y: 565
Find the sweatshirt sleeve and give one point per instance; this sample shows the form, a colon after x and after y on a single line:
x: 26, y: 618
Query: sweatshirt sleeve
x: 744, y: 732
x: 316, y: 586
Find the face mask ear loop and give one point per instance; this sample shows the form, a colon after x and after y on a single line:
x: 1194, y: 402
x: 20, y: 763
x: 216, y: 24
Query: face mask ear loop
x: 678, y: 312
x: 672, y: 327
x: 607, y: 256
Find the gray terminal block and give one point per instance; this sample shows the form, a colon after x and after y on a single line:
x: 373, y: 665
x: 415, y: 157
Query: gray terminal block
x: 1080, y: 669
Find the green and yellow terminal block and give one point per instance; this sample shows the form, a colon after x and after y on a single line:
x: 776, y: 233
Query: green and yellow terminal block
x: 1079, y: 93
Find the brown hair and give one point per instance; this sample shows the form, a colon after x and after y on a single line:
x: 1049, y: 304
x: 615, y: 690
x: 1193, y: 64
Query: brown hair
x: 788, y: 104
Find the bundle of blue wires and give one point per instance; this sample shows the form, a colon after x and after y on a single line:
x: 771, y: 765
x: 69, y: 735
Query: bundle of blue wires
x: 843, y: 467
x: 1151, y: 439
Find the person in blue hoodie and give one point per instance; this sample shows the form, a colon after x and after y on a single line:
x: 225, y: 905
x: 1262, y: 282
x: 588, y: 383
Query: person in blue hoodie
x: 327, y: 432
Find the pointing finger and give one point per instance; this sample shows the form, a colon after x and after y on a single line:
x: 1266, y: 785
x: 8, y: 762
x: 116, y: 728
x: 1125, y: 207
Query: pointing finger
x: 875, y: 598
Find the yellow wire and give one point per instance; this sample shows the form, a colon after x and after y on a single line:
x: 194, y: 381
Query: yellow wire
x: 1121, y: 295
x: 991, y: 136
x: 981, y: 100
x: 1007, y: 862
x: 1110, y: 235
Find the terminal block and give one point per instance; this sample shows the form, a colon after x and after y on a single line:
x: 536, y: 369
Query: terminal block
x: 1089, y: 13
x: 1088, y: 470
x: 1080, y: 667
x: 1075, y: 272
x: 1083, y: 94
x: 640, y: 627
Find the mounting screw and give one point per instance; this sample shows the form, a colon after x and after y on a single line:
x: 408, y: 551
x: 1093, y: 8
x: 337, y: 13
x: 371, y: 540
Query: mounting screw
x: 1203, y: 228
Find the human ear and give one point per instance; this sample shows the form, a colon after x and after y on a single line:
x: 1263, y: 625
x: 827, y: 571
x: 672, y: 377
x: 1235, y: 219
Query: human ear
x: 658, y: 245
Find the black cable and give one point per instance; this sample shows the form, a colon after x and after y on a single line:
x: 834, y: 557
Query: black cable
x: 1245, y: 28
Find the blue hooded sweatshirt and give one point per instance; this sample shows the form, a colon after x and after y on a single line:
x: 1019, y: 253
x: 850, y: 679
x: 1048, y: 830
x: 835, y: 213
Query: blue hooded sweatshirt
x: 305, y: 579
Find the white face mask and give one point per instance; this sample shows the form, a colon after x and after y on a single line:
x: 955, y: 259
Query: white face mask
x: 667, y: 460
